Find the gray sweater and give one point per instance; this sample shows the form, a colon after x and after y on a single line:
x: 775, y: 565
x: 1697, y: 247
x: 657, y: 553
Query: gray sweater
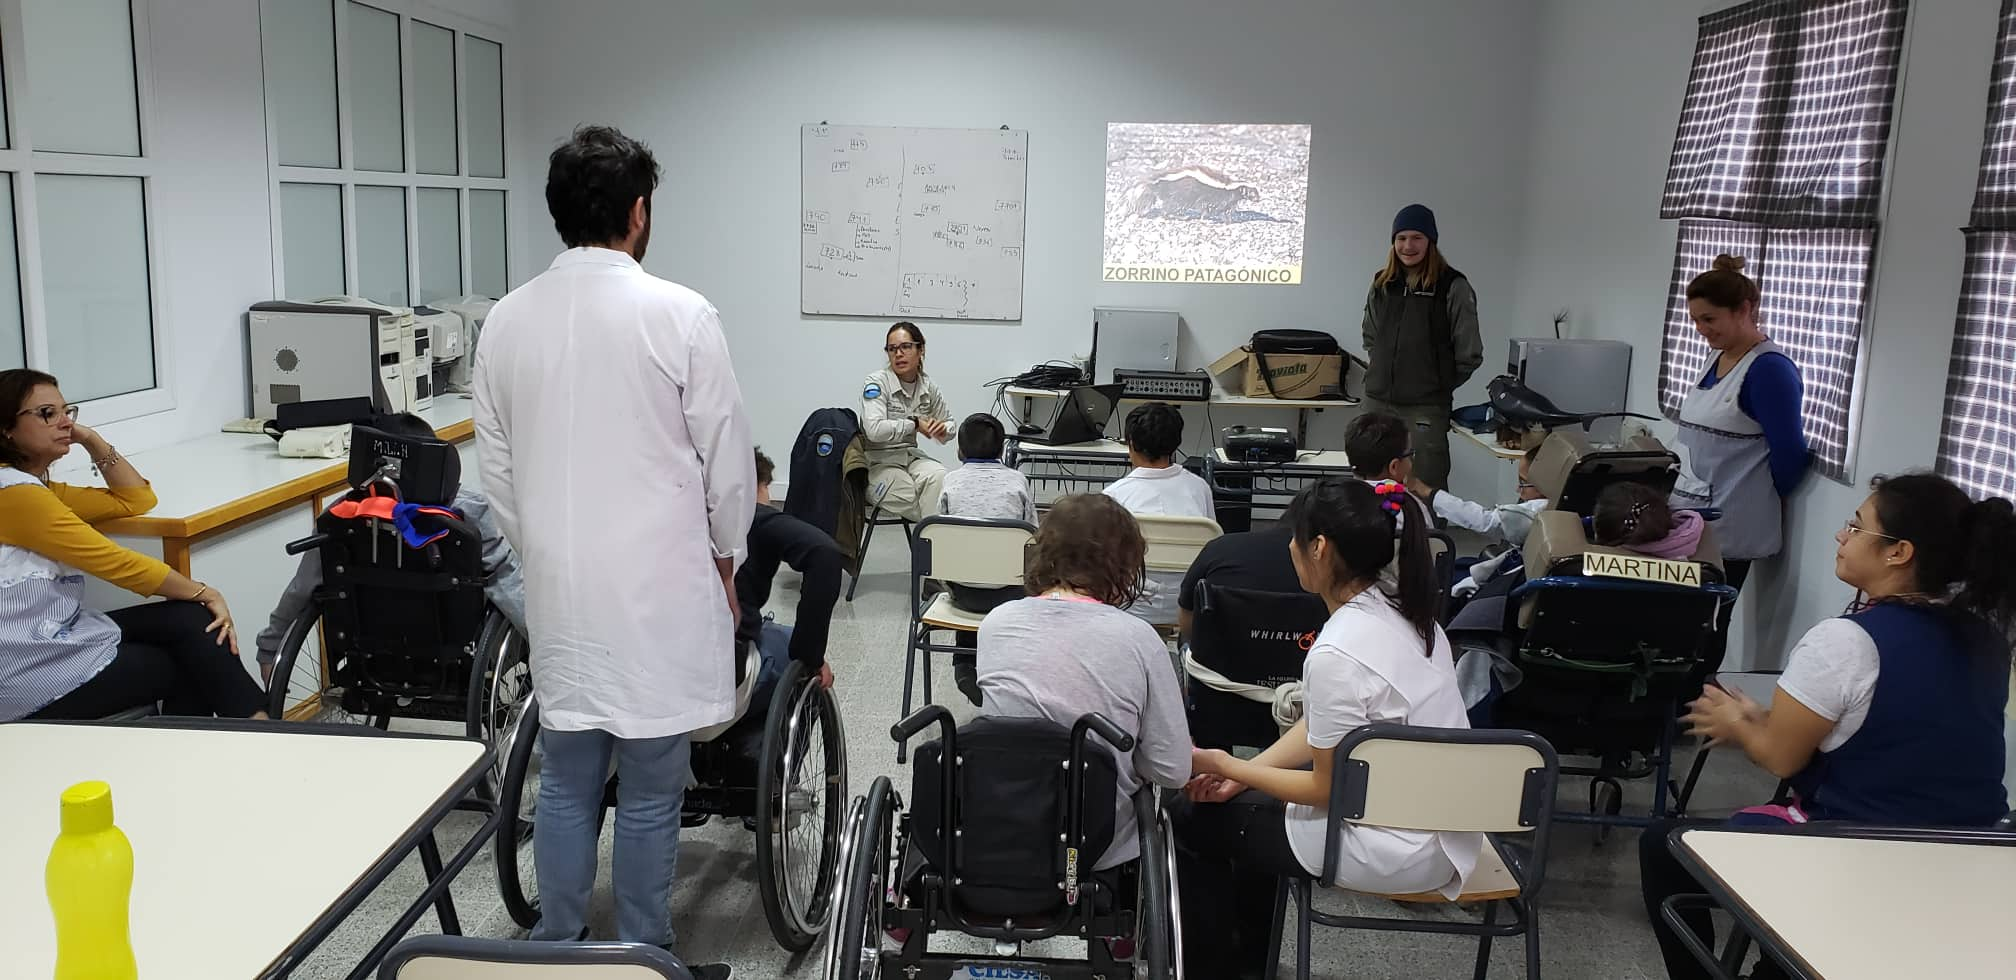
x: 1058, y: 659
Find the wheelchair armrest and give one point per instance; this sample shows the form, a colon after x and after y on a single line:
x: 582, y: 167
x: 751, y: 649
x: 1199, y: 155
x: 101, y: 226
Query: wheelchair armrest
x: 309, y: 543
x: 921, y: 719
x: 1606, y: 584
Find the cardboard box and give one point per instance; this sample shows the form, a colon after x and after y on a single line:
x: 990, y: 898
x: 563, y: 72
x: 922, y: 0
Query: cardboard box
x: 1297, y: 376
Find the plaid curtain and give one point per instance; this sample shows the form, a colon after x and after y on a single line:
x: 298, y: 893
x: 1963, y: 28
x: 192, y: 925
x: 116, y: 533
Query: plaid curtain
x: 1977, y: 442
x: 1779, y: 158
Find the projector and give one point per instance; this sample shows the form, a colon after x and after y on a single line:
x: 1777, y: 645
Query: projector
x: 1258, y: 444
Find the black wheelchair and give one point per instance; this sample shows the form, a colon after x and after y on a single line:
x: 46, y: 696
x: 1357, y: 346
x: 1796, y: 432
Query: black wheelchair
x: 784, y: 769
x: 405, y: 632
x: 1000, y: 845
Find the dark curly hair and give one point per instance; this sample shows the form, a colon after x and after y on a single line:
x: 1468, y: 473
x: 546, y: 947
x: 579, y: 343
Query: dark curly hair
x: 1630, y: 514
x: 1155, y: 430
x: 1090, y: 543
x: 592, y: 180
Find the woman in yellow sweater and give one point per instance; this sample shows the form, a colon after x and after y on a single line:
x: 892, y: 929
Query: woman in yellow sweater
x: 59, y: 659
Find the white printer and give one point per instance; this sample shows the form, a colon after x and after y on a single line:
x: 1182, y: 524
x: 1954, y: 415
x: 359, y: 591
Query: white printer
x: 342, y: 347
x: 472, y: 311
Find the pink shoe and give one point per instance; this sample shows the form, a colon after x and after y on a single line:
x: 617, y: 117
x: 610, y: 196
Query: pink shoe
x: 1121, y: 947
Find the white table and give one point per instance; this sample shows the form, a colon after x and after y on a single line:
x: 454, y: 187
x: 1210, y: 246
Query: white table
x: 1891, y: 904
x: 215, y: 483
x: 1301, y: 406
x: 251, y: 841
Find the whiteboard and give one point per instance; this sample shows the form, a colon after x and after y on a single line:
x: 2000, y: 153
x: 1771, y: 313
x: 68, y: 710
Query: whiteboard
x: 908, y: 222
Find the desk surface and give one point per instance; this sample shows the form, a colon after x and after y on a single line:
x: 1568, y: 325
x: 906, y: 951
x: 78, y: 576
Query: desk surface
x: 1098, y: 447
x: 1489, y: 443
x: 1218, y: 397
x: 1321, y: 459
x: 216, y: 479
x: 1870, y: 909
x: 241, y: 839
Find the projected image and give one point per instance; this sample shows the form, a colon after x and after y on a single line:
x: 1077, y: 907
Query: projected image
x: 1205, y: 203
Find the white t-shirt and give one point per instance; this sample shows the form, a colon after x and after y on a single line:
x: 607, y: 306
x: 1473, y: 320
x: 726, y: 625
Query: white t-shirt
x: 1833, y: 672
x: 1171, y: 491
x: 1368, y: 666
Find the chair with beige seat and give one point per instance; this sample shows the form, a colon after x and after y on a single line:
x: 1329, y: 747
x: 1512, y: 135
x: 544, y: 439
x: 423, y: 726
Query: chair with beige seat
x: 1497, y: 783
x: 967, y: 550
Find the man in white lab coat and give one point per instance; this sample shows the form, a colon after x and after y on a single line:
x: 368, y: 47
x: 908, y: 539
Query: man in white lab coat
x: 618, y: 462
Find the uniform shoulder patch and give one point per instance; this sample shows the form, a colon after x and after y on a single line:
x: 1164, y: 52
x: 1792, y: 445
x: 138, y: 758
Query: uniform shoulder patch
x: 872, y: 392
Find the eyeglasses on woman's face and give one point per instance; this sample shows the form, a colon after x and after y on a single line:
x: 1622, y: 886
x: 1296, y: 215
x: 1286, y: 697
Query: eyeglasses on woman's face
x: 49, y: 413
x: 902, y: 348
x: 1850, y: 528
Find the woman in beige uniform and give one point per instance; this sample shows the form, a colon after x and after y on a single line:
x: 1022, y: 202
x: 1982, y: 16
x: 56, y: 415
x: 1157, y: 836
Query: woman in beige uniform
x: 899, y: 403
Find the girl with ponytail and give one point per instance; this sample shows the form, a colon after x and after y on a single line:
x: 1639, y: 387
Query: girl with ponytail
x: 1380, y: 658
x: 1892, y: 713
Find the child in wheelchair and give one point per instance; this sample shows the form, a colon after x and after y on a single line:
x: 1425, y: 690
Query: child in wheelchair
x: 505, y: 589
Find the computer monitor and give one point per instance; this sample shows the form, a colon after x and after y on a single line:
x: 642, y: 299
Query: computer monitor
x: 1081, y: 416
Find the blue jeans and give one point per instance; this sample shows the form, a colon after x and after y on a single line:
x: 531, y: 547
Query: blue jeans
x: 574, y: 771
x: 773, y: 651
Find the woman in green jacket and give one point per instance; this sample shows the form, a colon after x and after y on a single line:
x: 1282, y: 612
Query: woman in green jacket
x: 1421, y: 339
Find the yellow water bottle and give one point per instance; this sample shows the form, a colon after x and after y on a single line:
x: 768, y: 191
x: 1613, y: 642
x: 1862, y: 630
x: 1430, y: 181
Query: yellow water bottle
x: 90, y: 881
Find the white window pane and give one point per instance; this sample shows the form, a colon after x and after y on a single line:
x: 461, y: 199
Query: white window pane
x: 95, y: 283
x: 81, y: 97
x: 433, y: 99
x: 300, y: 43
x: 484, y: 73
x: 489, y: 271
x: 311, y: 240
x: 381, y: 244
x: 440, y: 244
x: 377, y: 124
x: 13, y: 345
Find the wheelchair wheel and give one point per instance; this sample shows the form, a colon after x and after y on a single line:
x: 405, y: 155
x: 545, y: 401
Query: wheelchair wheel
x: 512, y: 846
x: 1161, y: 911
x: 500, y: 689
x: 801, y: 790
x: 854, y: 944
x: 296, y: 679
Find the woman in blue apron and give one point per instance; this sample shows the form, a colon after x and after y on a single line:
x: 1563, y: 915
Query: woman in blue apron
x: 1890, y: 714
x: 1742, y: 441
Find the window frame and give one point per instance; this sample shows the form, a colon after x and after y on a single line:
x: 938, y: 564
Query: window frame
x: 20, y: 159
x: 348, y: 177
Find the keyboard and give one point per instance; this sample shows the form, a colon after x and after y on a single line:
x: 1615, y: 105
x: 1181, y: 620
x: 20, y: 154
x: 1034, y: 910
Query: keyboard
x: 1175, y: 386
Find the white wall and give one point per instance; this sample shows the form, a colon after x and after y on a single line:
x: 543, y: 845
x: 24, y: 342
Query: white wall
x: 1420, y: 101
x: 1610, y: 78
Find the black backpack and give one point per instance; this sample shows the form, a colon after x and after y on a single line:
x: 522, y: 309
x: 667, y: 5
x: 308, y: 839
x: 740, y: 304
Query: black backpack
x: 817, y: 458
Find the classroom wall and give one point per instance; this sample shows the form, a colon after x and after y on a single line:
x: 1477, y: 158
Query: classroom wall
x: 1421, y: 101
x: 1611, y: 74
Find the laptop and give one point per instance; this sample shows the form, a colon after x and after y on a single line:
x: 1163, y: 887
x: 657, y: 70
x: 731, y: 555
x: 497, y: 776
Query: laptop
x: 1081, y: 416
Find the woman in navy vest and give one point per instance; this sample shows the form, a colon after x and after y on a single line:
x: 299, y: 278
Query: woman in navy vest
x: 1421, y: 339
x: 1892, y: 713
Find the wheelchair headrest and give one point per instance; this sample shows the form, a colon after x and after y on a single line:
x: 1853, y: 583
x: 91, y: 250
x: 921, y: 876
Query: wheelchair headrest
x: 425, y: 471
x: 1571, y: 470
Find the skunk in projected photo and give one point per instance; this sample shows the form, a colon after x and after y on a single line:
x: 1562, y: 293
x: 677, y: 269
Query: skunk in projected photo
x: 1192, y: 192
x: 1207, y: 203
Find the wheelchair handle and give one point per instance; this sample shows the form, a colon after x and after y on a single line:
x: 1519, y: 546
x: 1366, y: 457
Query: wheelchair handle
x: 1106, y: 729
x: 924, y: 717
x: 309, y: 543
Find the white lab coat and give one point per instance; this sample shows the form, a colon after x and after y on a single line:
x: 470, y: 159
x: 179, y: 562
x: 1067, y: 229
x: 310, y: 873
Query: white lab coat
x: 618, y: 463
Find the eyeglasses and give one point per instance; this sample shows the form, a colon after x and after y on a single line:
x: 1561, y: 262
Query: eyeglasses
x: 903, y: 348
x: 1851, y: 528
x: 48, y: 413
